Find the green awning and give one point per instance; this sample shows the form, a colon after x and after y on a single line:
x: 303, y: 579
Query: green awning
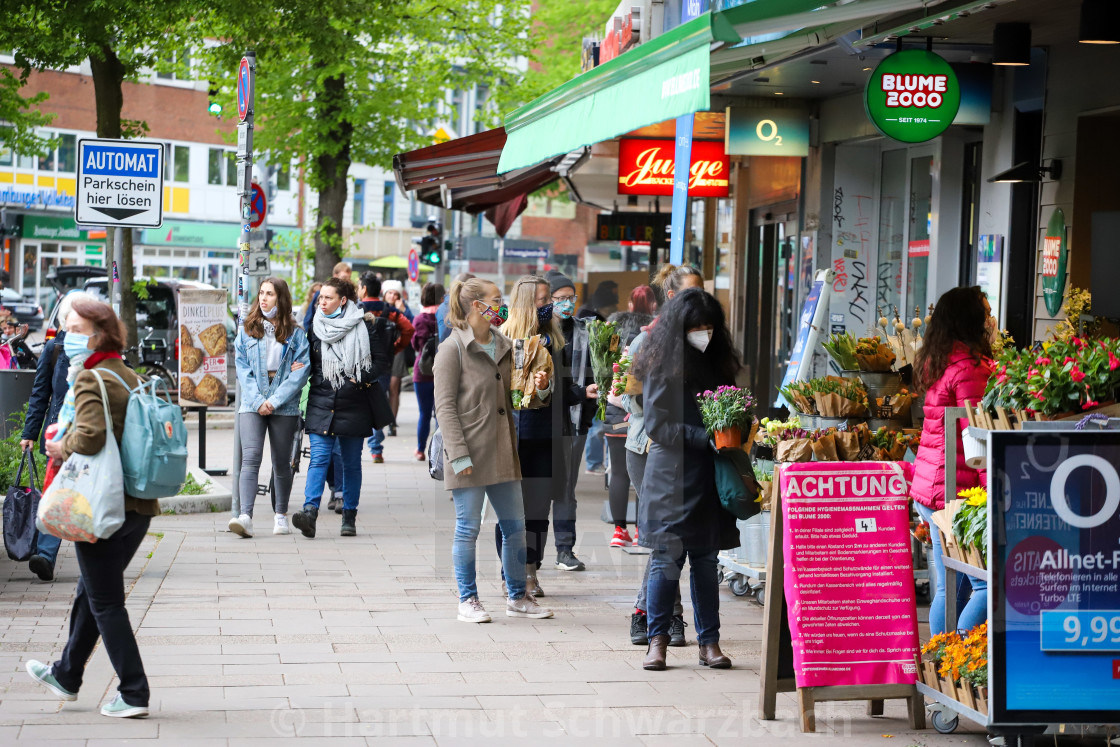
x: 660, y: 80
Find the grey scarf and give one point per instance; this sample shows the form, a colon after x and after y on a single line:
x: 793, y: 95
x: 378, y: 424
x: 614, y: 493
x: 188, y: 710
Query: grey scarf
x: 345, y: 340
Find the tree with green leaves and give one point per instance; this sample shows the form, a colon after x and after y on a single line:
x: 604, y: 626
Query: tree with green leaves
x: 120, y: 39
x: 20, y: 115
x: 358, y: 83
x: 562, y: 26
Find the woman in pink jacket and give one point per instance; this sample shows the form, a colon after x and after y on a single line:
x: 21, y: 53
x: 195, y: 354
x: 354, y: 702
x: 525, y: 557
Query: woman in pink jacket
x: 953, y: 366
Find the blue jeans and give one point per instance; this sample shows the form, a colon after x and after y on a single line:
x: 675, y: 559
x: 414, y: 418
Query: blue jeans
x: 972, y: 593
x: 593, y: 451
x: 425, y: 398
x: 335, y: 477
x: 665, y: 566
x: 378, y: 436
x: 47, y: 546
x: 322, y: 448
x: 506, y: 499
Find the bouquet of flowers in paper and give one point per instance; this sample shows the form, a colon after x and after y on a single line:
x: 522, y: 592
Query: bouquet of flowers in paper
x: 530, y: 357
x: 606, y: 350
x: 765, y: 479
x: 625, y: 382
x: 790, y: 441
x: 874, y: 356
x: 837, y: 397
x: 727, y: 412
x: 842, y: 349
x: 799, y: 395
x: 895, y: 406
x: 823, y: 443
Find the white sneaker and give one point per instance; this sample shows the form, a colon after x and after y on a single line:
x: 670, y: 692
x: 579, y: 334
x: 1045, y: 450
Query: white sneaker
x: 472, y: 611
x: 526, y: 606
x: 281, y: 525
x: 242, y: 525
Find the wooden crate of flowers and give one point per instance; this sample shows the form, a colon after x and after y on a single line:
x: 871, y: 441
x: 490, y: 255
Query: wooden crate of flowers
x: 957, y: 666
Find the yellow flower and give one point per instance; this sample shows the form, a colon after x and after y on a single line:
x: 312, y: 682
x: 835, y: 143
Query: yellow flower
x: 977, y: 496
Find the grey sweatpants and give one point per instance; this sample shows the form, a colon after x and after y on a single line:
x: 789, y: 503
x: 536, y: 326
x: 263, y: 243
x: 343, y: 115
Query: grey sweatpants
x: 281, y: 431
x: 636, y: 468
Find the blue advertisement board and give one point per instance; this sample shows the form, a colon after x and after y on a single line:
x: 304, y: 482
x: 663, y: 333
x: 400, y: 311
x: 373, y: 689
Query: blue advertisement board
x: 1055, y: 595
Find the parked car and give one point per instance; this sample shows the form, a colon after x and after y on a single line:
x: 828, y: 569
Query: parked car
x: 25, y: 311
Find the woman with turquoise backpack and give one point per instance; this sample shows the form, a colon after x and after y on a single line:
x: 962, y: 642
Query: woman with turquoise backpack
x: 272, y: 367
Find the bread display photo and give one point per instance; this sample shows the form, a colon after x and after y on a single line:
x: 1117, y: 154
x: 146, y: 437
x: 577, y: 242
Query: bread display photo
x: 186, y: 389
x: 185, y: 339
x: 210, y: 391
x: 190, y: 359
x: 213, y: 339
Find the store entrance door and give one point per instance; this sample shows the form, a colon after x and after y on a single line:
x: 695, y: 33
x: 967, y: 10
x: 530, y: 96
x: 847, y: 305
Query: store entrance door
x: 774, y: 272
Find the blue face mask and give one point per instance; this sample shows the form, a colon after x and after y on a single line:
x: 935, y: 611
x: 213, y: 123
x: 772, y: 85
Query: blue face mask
x: 564, y: 309
x: 335, y: 314
x: 544, y: 314
x: 76, y: 347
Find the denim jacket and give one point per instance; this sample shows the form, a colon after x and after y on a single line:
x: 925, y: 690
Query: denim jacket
x: 252, y: 374
x: 637, y: 440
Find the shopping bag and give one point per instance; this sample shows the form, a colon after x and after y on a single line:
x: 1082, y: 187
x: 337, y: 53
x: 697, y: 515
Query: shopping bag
x: 435, y: 456
x: 85, y: 502
x: 736, y: 484
x: 20, y: 504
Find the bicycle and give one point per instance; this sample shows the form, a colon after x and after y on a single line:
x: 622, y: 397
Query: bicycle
x: 150, y: 356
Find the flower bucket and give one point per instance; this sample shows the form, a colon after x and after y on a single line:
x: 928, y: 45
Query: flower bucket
x: 975, y: 450
x: 974, y: 557
x: 982, y: 700
x: 729, y: 438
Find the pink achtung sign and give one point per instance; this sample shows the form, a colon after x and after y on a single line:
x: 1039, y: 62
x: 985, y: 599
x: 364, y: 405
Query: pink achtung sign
x: 849, y: 578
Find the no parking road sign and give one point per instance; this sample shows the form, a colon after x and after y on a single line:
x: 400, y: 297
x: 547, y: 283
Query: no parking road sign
x: 244, y: 88
x: 120, y: 183
x: 413, y: 266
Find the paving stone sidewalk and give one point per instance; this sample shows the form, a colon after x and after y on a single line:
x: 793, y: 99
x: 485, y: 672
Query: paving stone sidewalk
x: 354, y: 641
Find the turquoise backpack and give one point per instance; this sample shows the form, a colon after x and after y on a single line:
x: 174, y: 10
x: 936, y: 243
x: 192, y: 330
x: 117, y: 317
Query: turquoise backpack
x: 154, y: 445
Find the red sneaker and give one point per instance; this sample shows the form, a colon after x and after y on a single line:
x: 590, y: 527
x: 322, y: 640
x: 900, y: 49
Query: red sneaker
x: 621, y: 538
x: 635, y: 536
x: 377, y: 458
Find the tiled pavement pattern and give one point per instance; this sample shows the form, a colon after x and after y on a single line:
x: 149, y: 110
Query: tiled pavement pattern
x: 354, y: 641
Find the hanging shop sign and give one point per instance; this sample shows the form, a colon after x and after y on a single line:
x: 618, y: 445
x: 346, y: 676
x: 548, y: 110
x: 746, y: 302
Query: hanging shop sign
x: 767, y: 131
x: 1054, y: 256
x: 849, y: 579
x: 913, y: 96
x: 645, y: 167
x: 1055, y: 576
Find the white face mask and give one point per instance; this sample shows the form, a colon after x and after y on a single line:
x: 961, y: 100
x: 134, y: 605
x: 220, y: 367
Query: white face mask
x: 700, y: 338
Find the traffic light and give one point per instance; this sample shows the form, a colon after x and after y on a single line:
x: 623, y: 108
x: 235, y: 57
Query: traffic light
x: 431, y: 250
x: 214, y: 106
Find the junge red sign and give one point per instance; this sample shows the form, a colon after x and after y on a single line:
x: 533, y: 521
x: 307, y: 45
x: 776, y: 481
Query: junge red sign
x: 645, y: 167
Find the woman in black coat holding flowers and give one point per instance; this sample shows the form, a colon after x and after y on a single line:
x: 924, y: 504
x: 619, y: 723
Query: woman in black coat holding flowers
x: 688, y: 351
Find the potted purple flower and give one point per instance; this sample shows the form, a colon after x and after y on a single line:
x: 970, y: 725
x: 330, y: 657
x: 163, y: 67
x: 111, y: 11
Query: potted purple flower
x: 727, y: 412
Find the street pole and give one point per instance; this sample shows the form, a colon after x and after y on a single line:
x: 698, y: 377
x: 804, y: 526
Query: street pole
x: 114, y: 275
x: 246, y: 89
x: 110, y: 262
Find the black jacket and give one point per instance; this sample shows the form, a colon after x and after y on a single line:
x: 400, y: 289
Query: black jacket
x: 577, y: 375
x: 48, y: 390
x: 680, y: 506
x: 356, y: 408
x: 629, y: 325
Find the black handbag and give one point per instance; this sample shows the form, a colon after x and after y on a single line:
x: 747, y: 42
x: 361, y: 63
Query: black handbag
x: 20, y: 506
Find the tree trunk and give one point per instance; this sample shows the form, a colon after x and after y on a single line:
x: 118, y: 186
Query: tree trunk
x: 331, y: 174
x: 108, y: 75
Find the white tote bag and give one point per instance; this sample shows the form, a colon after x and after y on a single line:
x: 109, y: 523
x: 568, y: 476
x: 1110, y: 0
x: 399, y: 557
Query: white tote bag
x: 85, y: 502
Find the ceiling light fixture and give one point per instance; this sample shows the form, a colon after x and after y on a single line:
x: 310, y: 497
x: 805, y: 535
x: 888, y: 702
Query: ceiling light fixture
x: 1100, y: 22
x: 778, y: 93
x: 1026, y: 172
x: 815, y: 81
x: 1011, y: 44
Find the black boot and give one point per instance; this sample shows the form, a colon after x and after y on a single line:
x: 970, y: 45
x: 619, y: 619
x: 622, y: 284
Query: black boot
x: 348, y: 528
x: 638, y: 634
x: 41, y: 567
x: 305, y: 520
x: 676, y: 631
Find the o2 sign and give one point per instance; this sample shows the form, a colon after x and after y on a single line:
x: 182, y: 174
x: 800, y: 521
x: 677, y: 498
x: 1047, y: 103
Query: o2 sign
x: 767, y: 131
x: 1060, y: 500
x: 912, y: 96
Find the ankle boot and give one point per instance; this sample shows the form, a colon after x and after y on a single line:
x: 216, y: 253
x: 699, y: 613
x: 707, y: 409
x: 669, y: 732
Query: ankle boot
x: 711, y: 656
x: 532, y: 585
x: 655, y: 654
x: 305, y: 521
x: 348, y: 519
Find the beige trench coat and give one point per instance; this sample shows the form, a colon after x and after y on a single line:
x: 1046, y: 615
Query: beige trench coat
x: 475, y: 411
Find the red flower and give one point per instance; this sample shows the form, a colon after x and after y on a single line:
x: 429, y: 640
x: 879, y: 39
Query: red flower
x: 1002, y: 378
x: 1032, y: 372
x: 1038, y: 396
x: 1076, y: 374
x: 1113, y: 361
x: 1068, y: 360
x: 1078, y: 342
x: 1090, y: 403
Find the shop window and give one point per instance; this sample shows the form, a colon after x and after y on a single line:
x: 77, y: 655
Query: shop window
x: 921, y: 220
x: 67, y: 153
x: 24, y: 161
x: 359, y: 202
x: 214, y: 167
x: 176, y: 163
x: 5, y: 151
x: 892, y: 229
x: 46, y: 161
x: 387, y: 203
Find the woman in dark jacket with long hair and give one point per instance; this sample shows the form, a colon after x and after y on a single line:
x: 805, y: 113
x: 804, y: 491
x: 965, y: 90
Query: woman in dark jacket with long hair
x: 689, y: 351
x: 349, y: 353
x: 952, y: 367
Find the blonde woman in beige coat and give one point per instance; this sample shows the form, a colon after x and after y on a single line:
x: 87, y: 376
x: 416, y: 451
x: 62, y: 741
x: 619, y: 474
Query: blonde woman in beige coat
x: 475, y: 414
